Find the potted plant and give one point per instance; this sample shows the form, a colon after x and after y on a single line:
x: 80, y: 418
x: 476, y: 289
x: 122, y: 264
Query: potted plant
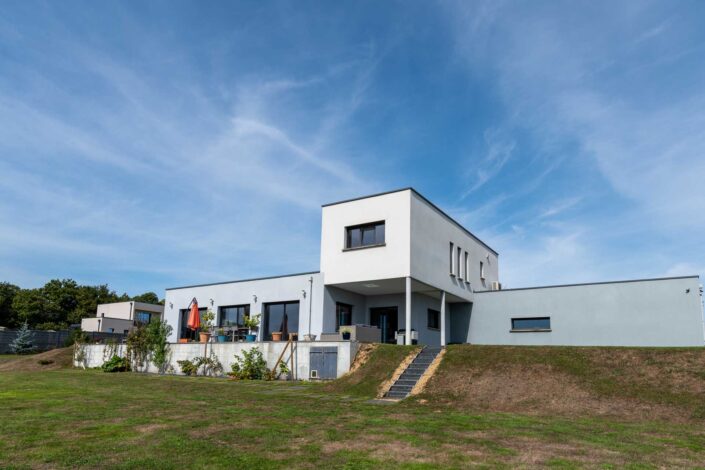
x: 345, y: 331
x: 221, y: 335
x: 252, y: 324
x: 276, y: 335
x: 206, y: 326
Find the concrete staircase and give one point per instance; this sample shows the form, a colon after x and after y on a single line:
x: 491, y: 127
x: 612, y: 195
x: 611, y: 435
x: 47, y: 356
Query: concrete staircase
x: 406, y: 381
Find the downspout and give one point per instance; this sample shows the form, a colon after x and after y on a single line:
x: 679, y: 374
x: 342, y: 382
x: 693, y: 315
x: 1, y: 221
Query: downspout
x: 310, y: 302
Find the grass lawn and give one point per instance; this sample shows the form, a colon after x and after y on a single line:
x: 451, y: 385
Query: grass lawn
x: 7, y: 357
x: 76, y: 418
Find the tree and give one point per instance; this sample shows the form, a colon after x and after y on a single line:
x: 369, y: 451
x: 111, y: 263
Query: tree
x: 147, y: 297
x: 22, y: 344
x: 61, y: 300
x: 7, y: 294
x: 88, y: 298
x: 29, y: 306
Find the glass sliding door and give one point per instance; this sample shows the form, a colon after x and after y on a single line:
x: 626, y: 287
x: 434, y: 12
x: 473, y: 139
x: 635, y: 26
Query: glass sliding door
x: 387, y: 320
x: 184, y: 332
x: 282, y: 317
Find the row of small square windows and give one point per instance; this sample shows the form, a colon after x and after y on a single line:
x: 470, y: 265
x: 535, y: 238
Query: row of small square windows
x: 461, y: 269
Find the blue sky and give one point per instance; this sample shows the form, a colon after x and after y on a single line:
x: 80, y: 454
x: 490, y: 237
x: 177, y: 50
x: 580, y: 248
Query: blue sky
x: 150, y: 145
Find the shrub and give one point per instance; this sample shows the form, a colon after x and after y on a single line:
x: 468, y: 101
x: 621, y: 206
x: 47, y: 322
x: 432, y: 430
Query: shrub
x: 211, y: 365
x: 251, y: 366
x: 158, y: 332
x: 116, y: 364
x: 76, y: 336
x: 44, y: 362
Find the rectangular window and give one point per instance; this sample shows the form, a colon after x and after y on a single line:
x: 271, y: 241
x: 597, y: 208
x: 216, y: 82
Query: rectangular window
x: 282, y: 317
x: 143, y: 317
x: 450, y: 260
x: 343, y: 314
x: 531, y: 324
x: 110, y: 330
x: 364, y: 235
x: 185, y: 332
x: 460, y: 258
x: 233, y: 315
x: 482, y: 270
x: 434, y: 318
x: 467, y: 267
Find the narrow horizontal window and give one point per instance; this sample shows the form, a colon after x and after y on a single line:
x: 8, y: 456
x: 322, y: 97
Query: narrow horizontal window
x: 531, y: 324
x: 364, y: 235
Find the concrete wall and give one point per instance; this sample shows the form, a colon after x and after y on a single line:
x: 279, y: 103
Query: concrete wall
x: 97, y: 354
x: 121, y: 310
x: 104, y: 324
x: 431, y: 235
x: 364, y: 264
x: 279, y: 289
x: 662, y: 312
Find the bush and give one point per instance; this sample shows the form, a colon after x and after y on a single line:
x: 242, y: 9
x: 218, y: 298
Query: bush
x: 251, y: 366
x: 116, y: 364
x: 157, y: 333
x: 76, y: 336
x: 45, y: 362
x: 211, y: 365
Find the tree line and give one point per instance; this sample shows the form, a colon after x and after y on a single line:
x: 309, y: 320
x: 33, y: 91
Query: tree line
x: 58, y: 304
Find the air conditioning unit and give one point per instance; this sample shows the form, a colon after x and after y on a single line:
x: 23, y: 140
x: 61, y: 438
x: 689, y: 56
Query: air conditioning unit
x: 313, y: 374
x: 496, y: 285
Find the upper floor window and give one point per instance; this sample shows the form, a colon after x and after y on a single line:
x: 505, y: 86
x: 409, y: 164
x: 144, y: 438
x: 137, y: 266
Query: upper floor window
x: 460, y: 266
x: 467, y: 267
x: 143, y: 317
x: 482, y: 270
x: 364, y: 235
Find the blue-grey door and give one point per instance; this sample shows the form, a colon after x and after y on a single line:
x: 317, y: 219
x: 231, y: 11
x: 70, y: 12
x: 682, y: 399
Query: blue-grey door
x: 324, y: 360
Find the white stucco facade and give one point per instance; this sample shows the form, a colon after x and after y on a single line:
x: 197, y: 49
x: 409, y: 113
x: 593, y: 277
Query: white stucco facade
x: 395, y: 259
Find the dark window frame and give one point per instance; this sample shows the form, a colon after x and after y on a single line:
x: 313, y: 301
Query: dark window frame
x: 338, y: 319
x: 246, y: 312
x: 357, y: 241
x: 433, y: 316
x: 293, y: 326
x: 452, y: 252
x: 143, y: 312
x: 516, y: 329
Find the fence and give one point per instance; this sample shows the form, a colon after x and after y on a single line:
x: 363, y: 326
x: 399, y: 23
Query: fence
x: 44, y: 340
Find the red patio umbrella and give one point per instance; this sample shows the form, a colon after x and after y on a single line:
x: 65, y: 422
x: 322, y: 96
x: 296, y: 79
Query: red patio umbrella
x: 194, y: 319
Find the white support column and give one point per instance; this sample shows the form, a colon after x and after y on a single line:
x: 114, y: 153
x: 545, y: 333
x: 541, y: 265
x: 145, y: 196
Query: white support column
x: 407, y: 327
x: 443, y: 318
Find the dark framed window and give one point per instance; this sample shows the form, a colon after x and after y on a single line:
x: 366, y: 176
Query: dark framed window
x: 233, y: 315
x: 482, y: 270
x: 467, y: 267
x: 282, y: 317
x: 434, y: 319
x: 450, y: 260
x: 359, y: 236
x: 343, y: 315
x: 460, y: 263
x: 531, y: 324
x: 143, y: 317
x: 185, y: 332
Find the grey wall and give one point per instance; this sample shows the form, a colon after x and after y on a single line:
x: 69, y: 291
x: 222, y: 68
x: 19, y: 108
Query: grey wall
x: 655, y: 312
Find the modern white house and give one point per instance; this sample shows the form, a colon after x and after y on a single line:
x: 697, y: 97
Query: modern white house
x: 121, y: 317
x: 395, y: 261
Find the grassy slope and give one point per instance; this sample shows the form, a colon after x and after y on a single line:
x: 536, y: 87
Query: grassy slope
x: 89, y: 419
x: 61, y: 358
x: 379, y: 366
x: 627, y: 382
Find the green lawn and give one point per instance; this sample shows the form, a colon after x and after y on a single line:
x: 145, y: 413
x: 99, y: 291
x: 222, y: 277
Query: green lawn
x: 7, y: 357
x: 76, y: 418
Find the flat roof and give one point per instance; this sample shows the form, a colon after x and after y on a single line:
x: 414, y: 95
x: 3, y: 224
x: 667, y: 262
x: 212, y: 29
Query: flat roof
x: 426, y: 200
x: 243, y: 280
x: 590, y: 284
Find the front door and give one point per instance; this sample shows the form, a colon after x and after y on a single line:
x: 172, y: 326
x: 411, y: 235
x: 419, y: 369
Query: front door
x: 387, y: 320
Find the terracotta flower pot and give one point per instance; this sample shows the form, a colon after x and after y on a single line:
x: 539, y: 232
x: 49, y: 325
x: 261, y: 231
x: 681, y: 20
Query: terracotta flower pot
x: 183, y: 340
x: 204, y: 337
x: 277, y: 336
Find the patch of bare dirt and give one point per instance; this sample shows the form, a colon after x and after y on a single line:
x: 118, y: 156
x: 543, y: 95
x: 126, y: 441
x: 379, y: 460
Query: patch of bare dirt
x: 363, y: 354
x: 538, y: 389
x: 61, y: 358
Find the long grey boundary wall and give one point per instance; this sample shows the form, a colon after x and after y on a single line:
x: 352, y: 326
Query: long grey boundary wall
x: 44, y: 340
x: 652, y: 312
x: 96, y: 354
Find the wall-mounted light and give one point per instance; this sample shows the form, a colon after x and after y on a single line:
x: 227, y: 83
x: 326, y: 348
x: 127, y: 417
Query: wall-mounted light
x: 303, y: 293
x: 212, y: 301
x: 171, y: 305
x: 687, y: 291
x: 254, y: 298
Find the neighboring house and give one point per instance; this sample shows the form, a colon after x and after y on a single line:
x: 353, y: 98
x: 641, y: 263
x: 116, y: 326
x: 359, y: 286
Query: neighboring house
x: 395, y: 259
x: 121, y: 317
